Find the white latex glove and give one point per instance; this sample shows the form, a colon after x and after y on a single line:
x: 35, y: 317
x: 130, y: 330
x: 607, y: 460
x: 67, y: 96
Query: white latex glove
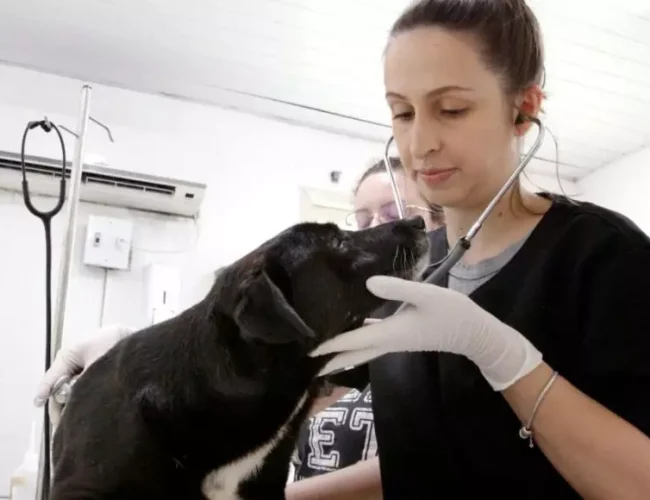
x: 436, y: 319
x: 76, y: 359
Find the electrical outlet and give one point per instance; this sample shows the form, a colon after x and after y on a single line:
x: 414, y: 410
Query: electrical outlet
x: 108, y: 242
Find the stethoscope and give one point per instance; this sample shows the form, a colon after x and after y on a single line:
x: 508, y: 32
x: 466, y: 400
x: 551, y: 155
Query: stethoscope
x: 46, y: 218
x: 443, y: 266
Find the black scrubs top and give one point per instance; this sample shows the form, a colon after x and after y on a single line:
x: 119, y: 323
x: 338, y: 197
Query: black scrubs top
x: 579, y: 290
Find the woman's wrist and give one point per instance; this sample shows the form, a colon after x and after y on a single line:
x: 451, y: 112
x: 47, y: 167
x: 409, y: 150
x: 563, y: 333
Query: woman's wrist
x: 525, y: 393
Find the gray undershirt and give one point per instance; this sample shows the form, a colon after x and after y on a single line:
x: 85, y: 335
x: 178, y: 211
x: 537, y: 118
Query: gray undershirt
x: 466, y: 278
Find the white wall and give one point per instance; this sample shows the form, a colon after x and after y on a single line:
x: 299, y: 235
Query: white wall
x: 623, y: 186
x: 253, y: 167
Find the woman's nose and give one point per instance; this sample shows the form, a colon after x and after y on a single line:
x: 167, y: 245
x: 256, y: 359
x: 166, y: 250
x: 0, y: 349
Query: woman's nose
x: 425, y: 136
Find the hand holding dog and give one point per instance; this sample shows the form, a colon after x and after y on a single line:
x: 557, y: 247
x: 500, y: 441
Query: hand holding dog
x: 440, y: 320
x: 77, y: 358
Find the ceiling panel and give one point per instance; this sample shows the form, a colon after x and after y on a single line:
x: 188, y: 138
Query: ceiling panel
x: 326, y: 55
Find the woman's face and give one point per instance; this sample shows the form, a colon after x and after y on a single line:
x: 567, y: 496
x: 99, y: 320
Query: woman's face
x: 374, y: 203
x: 452, y: 122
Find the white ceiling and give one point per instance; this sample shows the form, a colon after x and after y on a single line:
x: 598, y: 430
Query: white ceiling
x: 326, y: 55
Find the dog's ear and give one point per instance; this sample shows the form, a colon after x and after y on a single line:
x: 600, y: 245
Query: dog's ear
x: 264, y: 315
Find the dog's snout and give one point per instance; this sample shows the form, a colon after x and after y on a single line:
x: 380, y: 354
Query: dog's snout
x: 417, y: 222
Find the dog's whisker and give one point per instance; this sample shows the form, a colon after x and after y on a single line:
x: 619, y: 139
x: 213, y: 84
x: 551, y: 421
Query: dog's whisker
x: 395, y: 259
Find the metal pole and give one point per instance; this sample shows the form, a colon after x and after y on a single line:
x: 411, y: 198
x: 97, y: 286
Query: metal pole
x: 68, y: 247
x: 393, y: 182
x: 71, y: 230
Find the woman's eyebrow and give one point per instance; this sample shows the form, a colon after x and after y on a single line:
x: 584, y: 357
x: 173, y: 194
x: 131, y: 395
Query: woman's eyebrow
x: 431, y: 93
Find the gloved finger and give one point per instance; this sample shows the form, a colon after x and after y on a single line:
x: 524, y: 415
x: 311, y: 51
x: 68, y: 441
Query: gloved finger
x: 56, y: 387
x: 352, y: 358
x: 398, y: 289
x: 54, y: 411
x: 63, y: 366
x: 371, y: 335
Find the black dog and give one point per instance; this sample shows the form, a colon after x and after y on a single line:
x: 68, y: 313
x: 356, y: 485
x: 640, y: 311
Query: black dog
x: 207, y: 405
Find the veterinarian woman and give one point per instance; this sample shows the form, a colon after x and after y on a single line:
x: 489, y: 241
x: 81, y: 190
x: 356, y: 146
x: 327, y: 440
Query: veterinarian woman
x: 544, y: 325
x: 549, y: 286
x: 344, y: 433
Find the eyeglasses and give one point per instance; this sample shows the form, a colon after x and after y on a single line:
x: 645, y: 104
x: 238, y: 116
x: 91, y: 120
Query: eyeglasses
x: 362, y: 219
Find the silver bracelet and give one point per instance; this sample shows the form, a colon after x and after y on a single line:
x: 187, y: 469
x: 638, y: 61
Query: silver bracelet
x: 526, y: 432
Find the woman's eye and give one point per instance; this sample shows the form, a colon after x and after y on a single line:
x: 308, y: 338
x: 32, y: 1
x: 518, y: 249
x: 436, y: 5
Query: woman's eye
x: 407, y: 115
x: 454, y: 112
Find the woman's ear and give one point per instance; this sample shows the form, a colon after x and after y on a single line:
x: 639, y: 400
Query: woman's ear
x: 527, y: 106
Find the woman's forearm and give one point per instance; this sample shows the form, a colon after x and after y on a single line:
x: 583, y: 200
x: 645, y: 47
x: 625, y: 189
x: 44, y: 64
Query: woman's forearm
x: 326, y: 401
x: 361, y: 481
x: 601, y: 455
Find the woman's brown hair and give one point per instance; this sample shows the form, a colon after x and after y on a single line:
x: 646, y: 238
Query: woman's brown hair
x: 507, y: 31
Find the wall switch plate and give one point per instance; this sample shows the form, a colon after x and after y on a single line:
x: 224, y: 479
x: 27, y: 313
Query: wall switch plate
x: 108, y: 242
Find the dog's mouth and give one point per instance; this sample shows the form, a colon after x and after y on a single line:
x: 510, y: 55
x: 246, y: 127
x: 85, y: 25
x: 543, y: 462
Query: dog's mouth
x: 411, y: 263
x: 408, y: 263
x: 421, y: 268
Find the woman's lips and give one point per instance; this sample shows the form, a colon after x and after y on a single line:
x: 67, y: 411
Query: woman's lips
x: 435, y: 177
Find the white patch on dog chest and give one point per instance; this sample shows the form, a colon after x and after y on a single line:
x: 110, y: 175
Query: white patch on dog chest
x: 223, y: 483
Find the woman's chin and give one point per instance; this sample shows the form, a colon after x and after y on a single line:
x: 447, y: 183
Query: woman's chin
x: 450, y: 195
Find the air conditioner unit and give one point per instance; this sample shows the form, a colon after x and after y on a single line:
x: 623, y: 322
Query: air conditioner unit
x: 105, y: 185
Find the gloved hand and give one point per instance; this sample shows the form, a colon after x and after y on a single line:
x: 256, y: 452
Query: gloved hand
x: 436, y: 319
x: 76, y: 359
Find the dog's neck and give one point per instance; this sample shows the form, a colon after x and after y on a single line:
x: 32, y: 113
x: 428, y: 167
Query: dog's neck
x: 242, y: 364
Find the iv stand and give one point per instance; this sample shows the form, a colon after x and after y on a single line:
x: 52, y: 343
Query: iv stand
x: 68, y: 248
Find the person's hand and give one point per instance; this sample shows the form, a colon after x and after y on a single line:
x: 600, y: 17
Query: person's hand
x: 76, y: 359
x: 435, y: 319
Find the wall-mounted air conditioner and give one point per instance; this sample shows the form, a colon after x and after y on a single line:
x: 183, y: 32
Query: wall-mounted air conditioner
x: 106, y: 185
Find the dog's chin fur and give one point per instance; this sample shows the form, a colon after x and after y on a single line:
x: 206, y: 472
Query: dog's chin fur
x: 415, y: 274
x: 208, y: 404
x: 421, y: 267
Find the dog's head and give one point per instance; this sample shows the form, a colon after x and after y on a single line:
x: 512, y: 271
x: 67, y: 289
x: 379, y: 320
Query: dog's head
x: 308, y: 283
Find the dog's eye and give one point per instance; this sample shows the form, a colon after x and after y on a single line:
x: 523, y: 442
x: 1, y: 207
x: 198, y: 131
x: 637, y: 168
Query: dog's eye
x: 338, y: 242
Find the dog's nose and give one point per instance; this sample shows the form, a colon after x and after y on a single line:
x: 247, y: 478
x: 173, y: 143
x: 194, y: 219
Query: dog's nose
x: 417, y: 222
